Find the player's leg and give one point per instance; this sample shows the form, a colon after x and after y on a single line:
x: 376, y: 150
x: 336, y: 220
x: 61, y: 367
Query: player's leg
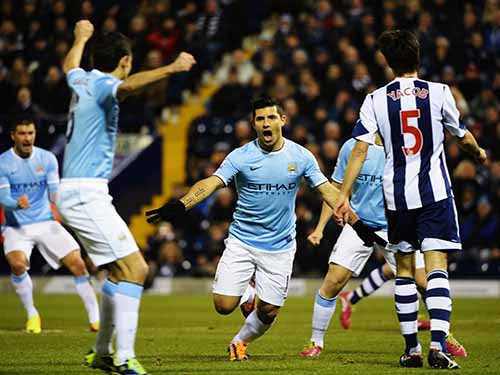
x: 232, y: 278
x: 371, y: 283
x: 130, y: 273
x: 23, y: 286
x: 18, y: 245
x: 437, y: 230
x: 75, y: 264
x: 324, y: 307
x: 256, y: 324
x: 248, y: 301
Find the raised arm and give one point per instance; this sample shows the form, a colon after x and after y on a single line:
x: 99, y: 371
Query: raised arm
x: 136, y: 82
x: 175, y: 210
x: 83, y: 31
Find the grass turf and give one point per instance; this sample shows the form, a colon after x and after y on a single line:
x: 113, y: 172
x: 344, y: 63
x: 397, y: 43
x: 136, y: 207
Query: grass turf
x: 184, y: 335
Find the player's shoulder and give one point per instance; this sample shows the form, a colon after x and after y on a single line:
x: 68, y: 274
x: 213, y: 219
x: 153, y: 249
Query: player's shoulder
x: 44, y: 154
x: 7, y: 154
x: 295, y: 148
x: 348, y: 146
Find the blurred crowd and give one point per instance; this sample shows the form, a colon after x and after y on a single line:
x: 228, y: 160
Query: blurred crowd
x: 320, y: 61
x: 317, y: 57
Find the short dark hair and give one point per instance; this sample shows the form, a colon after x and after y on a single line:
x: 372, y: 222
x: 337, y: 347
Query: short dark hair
x: 401, y: 50
x: 107, y: 49
x: 264, y: 102
x: 20, y: 121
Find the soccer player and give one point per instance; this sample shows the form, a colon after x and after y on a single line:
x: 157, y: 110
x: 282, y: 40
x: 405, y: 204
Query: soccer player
x: 84, y: 202
x: 410, y: 114
x: 29, y: 179
x: 350, y: 253
x: 267, y: 173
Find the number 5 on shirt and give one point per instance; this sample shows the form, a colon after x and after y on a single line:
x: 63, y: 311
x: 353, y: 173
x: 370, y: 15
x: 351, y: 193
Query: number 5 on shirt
x: 413, y: 130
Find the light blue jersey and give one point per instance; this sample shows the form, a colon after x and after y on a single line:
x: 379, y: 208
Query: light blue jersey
x: 35, y: 176
x: 92, y: 125
x: 267, y: 184
x: 367, y: 198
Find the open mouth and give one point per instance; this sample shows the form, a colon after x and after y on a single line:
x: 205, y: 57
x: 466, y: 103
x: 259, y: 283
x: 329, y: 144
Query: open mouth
x: 268, y: 135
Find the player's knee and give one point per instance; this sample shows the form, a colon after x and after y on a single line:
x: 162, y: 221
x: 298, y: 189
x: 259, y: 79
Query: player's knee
x: 77, y: 267
x: 267, y: 314
x: 223, y: 306
x: 331, y: 287
x: 18, y: 267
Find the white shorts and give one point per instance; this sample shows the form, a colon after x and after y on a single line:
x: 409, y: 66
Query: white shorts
x: 53, y: 241
x: 85, y: 205
x: 350, y: 252
x: 240, y: 262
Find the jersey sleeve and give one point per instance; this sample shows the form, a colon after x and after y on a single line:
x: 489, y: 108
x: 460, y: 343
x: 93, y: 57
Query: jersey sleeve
x: 312, y: 173
x: 451, y: 115
x: 74, y: 75
x: 105, y: 88
x: 366, y: 127
x: 342, y: 160
x: 228, y: 168
x: 4, y: 179
x: 52, y: 169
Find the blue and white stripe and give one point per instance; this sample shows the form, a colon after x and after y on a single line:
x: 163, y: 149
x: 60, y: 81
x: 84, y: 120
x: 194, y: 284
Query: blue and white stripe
x: 438, y: 301
x: 406, y: 300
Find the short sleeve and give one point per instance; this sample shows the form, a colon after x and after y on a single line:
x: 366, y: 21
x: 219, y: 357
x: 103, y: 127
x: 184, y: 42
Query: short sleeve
x: 74, y: 75
x: 342, y: 160
x: 228, y: 168
x: 451, y: 115
x: 52, y: 169
x: 366, y: 127
x: 105, y: 88
x: 312, y: 173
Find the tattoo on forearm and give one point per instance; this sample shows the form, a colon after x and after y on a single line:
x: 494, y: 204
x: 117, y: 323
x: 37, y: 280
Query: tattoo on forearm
x: 194, y: 198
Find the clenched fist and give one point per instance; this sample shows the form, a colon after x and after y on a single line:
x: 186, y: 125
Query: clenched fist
x: 23, y: 202
x: 183, y: 63
x: 83, y: 30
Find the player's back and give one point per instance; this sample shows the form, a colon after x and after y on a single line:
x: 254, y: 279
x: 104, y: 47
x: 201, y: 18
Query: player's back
x: 411, y: 114
x: 92, y: 125
x: 29, y: 176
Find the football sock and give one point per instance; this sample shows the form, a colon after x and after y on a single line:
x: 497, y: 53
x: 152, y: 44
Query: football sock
x: 369, y: 285
x: 127, y: 302
x: 322, y: 314
x: 438, y: 300
x: 406, y: 299
x: 106, y: 327
x: 252, y: 329
x: 24, y: 289
x: 87, y: 294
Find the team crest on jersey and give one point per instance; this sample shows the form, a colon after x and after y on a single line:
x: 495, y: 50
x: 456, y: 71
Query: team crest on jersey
x: 39, y: 169
x: 292, y: 168
x: 415, y: 91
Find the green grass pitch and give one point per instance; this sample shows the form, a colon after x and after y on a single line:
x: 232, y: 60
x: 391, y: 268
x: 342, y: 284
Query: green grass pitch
x: 184, y: 335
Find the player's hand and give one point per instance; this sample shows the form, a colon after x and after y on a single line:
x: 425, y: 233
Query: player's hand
x: 83, y: 30
x: 23, y: 202
x: 341, y: 210
x: 315, y: 237
x: 172, y: 211
x: 183, y: 63
x: 482, y: 156
x: 368, y: 235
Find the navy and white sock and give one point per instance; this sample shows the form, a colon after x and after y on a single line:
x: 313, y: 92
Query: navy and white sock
x: 438, y: 300
x: 322, y: 314
x: 370, y: 284
x: 406, y: 299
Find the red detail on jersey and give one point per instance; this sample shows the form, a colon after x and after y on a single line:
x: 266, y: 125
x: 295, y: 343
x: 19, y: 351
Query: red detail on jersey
x: 413, y: 130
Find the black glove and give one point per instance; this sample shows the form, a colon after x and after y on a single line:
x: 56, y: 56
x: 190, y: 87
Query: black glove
x: 368, y: 235
x: 170, y: 211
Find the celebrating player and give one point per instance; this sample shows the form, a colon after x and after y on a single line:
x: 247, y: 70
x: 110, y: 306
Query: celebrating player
x: 84, y: 202
x: 410, y: 113
x: 261, y: 241
x: 350, y: 253
x: 29, y: 177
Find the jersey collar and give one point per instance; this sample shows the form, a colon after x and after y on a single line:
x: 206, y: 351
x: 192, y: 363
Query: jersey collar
x: 20, y: 158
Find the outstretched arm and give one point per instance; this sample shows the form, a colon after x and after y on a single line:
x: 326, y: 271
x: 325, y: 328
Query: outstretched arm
x: 174, y: 211
x: 469, y: 144
x: 136, y: 82
x: 358, y: 155
x: 83, y: 31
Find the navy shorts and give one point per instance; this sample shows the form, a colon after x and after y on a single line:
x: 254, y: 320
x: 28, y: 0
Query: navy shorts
x: 432, y: 227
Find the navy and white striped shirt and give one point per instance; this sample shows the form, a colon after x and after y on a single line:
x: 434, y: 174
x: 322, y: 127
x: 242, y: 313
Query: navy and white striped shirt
x: 410, y: 114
